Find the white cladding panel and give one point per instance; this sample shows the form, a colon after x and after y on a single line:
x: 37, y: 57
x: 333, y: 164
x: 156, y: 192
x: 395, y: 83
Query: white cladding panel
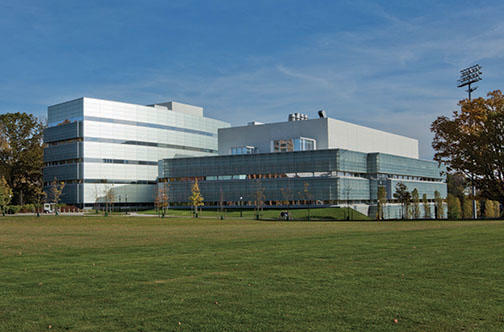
x: 144, y: 134
x: 329, y: 134
x: 148, y: 114
x: 141, y: 193
x: 119, y: 172
x: 260, y: 136
x: 349, y: 136
x: 135, y: 152
x: 122, y: 140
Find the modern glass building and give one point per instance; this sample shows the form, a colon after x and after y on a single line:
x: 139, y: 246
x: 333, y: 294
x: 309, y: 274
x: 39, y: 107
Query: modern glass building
x: 99, y: 146
x: 323, y: 177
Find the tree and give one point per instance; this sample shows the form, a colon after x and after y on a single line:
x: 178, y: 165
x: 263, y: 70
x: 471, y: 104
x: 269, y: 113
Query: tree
x: 307, y: 196
x: 21, y: 154
x: 56, y: 190
x: 196, y: 199
x: 404, y: 197
x: 438, y: 201
x: 221, y: 203
x: 471, y: 143
x: 454, y: 209
x: 497, y: 212
x: 109, y: 199
x: 426, y: 207
x: 496, y: 209
x: 416, y: 203
x: 467, y: 208
x: 492, y: 209
x: 286, y: 194
x: 157, y: 201
x: 39, y: 196
x: 163, y: 198
x: 382, y: 200
x: 259, y: 198
x: 457, y: 184
x: 5, y: 194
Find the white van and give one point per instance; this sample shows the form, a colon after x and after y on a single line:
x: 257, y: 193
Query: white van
x: 49, y: 207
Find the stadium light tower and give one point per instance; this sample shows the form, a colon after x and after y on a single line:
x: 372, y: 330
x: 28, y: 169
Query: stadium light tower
x: 469, y: 76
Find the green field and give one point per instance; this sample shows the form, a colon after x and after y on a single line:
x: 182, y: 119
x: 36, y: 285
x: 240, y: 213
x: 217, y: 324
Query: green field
x: 274, y: 214
x: 151, y: 274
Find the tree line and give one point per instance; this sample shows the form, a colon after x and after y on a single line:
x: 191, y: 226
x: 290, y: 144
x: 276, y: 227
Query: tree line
x: 471, y: 144
x: 411, y: 206
x: 21, y: 164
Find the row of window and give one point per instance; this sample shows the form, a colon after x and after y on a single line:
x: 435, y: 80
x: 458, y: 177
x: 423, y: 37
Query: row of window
x: 130, y: 142
x: 406, y: 177
x: 63, y: 162
x: 293, y: 144
x: 280, y: 145
x: 291, y: 175
x: 243, y: 150
x: 143, y: 143
x: 102, y: 181
x: 298, y: 203
x: 100, y: 160
x: 133, y: 123
x: 149, y: 125
x: 65, y: 141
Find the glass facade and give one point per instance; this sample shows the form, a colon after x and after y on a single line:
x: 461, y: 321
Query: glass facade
x: 331, y: 177
x: 243, y: 150
x: 96, y: 146
x: 293, y: 144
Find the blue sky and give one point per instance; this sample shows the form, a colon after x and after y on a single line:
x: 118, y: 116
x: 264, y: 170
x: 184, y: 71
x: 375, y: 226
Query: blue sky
x: 390, y: 65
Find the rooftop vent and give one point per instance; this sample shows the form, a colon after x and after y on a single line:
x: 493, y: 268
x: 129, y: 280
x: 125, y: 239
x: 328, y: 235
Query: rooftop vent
x: 255, y: 123
x: 322, y: 114
x: 297, y: 117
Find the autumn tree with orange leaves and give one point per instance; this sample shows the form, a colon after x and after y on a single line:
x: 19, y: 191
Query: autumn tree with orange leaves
x: 472, y: 143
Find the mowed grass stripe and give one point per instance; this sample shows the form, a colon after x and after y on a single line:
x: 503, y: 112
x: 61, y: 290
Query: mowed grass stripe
x: 129, y: 274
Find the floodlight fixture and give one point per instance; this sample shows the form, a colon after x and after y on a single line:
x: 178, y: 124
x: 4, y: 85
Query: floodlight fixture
x: 468, y: 76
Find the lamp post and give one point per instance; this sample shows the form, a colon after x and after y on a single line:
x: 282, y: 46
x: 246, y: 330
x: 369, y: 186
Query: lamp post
x: 241, y: 206
x: 469, y: 76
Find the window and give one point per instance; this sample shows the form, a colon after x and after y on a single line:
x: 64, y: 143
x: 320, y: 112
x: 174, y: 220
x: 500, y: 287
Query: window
x: 243, y: 150
x: 293, y: 144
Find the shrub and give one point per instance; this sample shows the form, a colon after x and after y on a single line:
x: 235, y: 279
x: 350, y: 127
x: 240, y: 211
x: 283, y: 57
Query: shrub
x: 13, y: 209
x: 27, y: 208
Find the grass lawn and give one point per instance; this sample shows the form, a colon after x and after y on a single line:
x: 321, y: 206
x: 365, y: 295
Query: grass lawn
x: 150, y: 274
x: 274, y: 214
